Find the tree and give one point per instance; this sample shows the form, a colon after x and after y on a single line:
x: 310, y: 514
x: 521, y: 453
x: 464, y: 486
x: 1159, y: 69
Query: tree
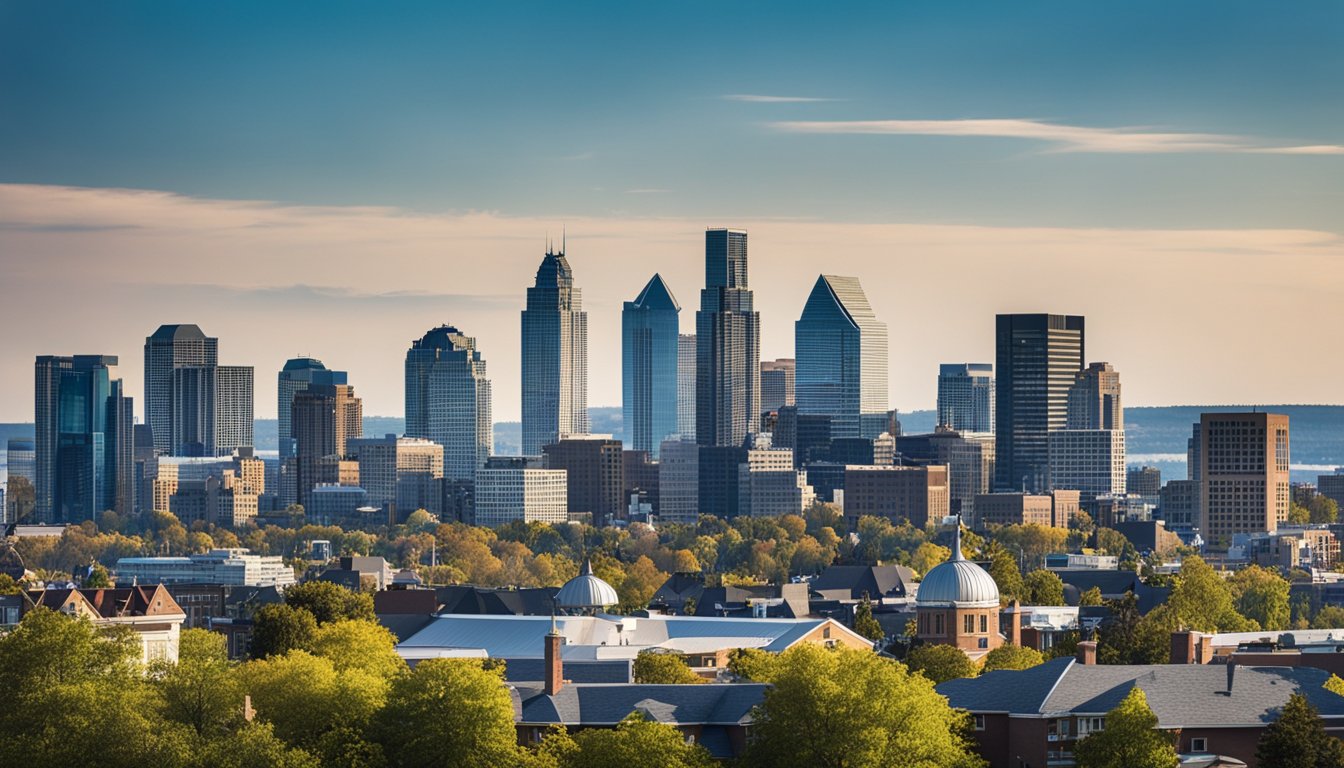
x: 1202, y: 600
x: 941, y: 663
x: 1003, y: 567
x: 328, y: 601
x: 751, y: 664
x: 1009, y: 656
x: 1329, y: 617
x: 1261, y: 595
x: 8, y: 586
x: 1298, y: 514
x: 358, y: 644
x: 98, y: 578
x: 1323, y: 509
x: 662, y: 668
x: 462, y: 713
x: 255, y: 745
x: 199, y: 690
x: 853, y: 709
x: 864, y: 623
x: 1129, y: 740
x: 1129, y: 637
x: 635, y: 741
x: 1044, y: 588
x: 306, y: 698
x: 1090, y: 596
x: 1298, y: 739
x: 928, y: 555
x: 279, y: 628
x: 642, y: 579
x: 1335, y: 685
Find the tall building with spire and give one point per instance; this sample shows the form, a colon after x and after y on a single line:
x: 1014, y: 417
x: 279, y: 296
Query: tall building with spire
x: 448, y: 400
x: 555, y: 356
x: 649, y: 366
x: 298, y: 374
x: 168, y: 348
x: 841, y: 352
x: 728, y: 344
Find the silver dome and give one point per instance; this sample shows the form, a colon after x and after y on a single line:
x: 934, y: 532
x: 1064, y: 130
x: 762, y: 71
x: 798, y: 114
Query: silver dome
x: 586, y: 591
x: 958, y: 582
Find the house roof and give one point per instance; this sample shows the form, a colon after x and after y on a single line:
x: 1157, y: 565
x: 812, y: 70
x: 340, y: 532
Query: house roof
x: 112, y: 603
x: 1181, y: 695
x: 854, y: 580
x: 598, y: 704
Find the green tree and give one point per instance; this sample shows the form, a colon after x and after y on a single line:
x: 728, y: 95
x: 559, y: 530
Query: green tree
x: 1335, y: 685
x: 1298, y: 514
x: 462, y: 713
x: 255, y: 745
x: 280, y: 628
x: 49, y: 648
x: 657, y: 667
x: 1202, y: 600
x: 1090, y: 596
x: 864, y: 623
x: 1323, y: 509
x: 305, y: 697
x: 1261, y: 595
x: 1129, y: 740
x: 847, y: 708
x: 751, y: 664
x: 361, y: 645
x: 98, y: 578
x: 8, y: 586
x: 1129, y: 637
x: 1298, y: 739
x: 1329, y: 617
x: 635, y: 741
x: 199, y: 690
x: 1008, y: 656
x: 328, y: 601
x: 1043, y: 588
x: 940, y: 663
x: 1003, y: 567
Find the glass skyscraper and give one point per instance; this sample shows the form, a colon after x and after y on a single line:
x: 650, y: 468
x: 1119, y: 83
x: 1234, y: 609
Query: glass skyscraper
x: 686, y: 386
x: 212, y: 409
x: 448, y: 400
x: 841, y: 352
x: 555, y: 357
x: 966, y: 397
x: 1038, y: 358
x: 298, y: 374
x: 83, y: 439
x: 168, y: 348
x: 649, y: 366
x: 728, y: 344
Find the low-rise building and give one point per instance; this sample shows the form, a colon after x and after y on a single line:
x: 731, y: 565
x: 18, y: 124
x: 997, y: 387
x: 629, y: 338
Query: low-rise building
x: 915, y: 494
x: 218, y: 566
x: 150, y: 612
x: 1053, y: 510
x: 518, y: 488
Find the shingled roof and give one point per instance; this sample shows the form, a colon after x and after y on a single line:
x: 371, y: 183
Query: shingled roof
x: 596, y: 704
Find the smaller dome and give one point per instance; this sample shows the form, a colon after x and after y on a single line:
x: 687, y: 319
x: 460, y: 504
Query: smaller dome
x: 586, y: 591
x: 958, y: 582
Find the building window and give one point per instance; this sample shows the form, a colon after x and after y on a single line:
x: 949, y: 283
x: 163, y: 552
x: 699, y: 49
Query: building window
x: 984, y: 623
x: 968, y: 624
x: 1199, y: 745
x: 938, y: 624
x: 1088, y: 725
x: 979, y: 722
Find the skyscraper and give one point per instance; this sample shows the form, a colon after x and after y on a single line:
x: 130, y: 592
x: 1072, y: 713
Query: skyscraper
x: 555, y: 356
x: 841, y: 349
x: 649, y: 367
x: 170, y: 347
x: 325, y: 417
x: 298, y: 374
x: 211, y: 409
x: 777, y: 383
x: 1244, y: 466
x: 728, y: 344
x: 448, y: 399
x: 83, y: 441
x: 1088, y: 454
x: 1037, y: 361
x: 966, y: 397
x: 686, y: 386
x: 1094, y: 399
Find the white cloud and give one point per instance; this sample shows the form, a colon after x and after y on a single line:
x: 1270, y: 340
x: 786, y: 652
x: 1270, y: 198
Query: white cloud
x: 1064, y: 138
x: 756, y: 98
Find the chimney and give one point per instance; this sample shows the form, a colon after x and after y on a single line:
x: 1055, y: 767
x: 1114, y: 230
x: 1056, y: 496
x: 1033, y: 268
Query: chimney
x: 1015, y: 623
x: 1231, y: 673
x: 555, y: 668
x: 1204, y: 650
x: 1087, y: 652
x: 248, y: 712
x: 1183, y: 647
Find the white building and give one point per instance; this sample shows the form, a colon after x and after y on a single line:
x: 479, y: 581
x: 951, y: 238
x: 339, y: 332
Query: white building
x: 1090, y: 461
x: 509, y: 489
x: 234, y: 567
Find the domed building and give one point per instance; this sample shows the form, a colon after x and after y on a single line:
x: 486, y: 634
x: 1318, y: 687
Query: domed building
x: 585, y: 593
x: 958, y: 604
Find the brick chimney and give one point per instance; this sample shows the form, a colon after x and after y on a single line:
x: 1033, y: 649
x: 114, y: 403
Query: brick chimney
x: 1087, y: 652
x: 555, y: 669
x: 1015, y: 623
x: 1183, y: 647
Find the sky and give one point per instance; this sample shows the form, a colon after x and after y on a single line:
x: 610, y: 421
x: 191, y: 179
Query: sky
x: 334, y: 179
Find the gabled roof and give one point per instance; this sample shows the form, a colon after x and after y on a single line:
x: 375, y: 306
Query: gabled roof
x: 876, y: 580
x: 112, y: 603
x: 596, y: 704
x: 656, y: 295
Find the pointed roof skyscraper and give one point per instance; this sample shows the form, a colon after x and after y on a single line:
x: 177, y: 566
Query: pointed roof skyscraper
x: 649, y: 366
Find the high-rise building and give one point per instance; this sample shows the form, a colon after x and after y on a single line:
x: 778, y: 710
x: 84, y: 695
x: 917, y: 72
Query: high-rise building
x: 777, y: 383
x: 555, y: 356
x: 1179, y: 505
x: 168, y: 348
x: 21, y: 464
x: 968, y: 456
x: 401, y: 474
x: 769, y: 486
x: 686, y: 386
x: 918, y: 495
x: 650, y: 372
x: 966, y: 397
x: 1038, y: 358
x: 640, y: 475
x: 510, y: 488
x: 84, y: 439
x: 448, y: 400
x: 842, y: 356
x: 1331, y: 486
x: 233, y: 408
x: 1094, y: 399
x: 1144, y: 481
x: 298, y: 374
x: 1244, y: 471
x: 594, y: 475
x: 212, y: 409
x: 728, y: 344
x: 324, y: 419
x: 679, y: 481
x: 1090, y: 461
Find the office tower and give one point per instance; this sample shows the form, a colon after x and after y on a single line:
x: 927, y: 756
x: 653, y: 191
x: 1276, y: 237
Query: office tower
x: 1094, y: 399
x: 1179, y: 505
x: 510, y: 488
x: 1144, y: 481
x: 168, y: 348
x: 769, y: 486
x: 1090, y: 461
x: 594, y: 475
x: 146, y: 467
x: 686, y: 403
x: 966, y: 397
x: 807, y: 435
x: 21, y: 467
x: 640, y: 475
x: 1244, y: 471
x: 679, y: 481
x: 777, y: 383
x: 448, y: 400
x: 401, y: 474
x: 324, y: 418
x: 650, y: 369
x: 212, y: 409
x: 728, y: 344
x: 1194, y: 455
x: 298, y: 374
x: 555, y: 356
x: 968, y: 456
x: 842, y: 356
x: 83, y: 433
x: 918, y: 495
x: 1038, y: 358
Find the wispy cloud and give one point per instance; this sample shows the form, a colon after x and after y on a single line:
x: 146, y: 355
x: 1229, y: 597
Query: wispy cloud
x: 757, y: 98
x: 1063, y: 138
x: 647, y: 191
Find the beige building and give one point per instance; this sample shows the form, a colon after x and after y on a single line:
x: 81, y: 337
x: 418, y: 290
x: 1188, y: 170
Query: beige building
x: 401, y: 474
x: 1053, y: 510
x: 1244, y: 460
x: 917, y: 494
x: 518, y: 488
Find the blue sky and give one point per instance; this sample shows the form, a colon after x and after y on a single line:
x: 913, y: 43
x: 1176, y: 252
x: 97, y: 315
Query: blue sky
x: 271, y: 170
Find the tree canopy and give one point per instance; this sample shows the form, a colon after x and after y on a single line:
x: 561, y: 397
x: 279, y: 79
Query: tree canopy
x: 940, y: 663
x: 1129, y: 740
x: 1008, y: 656
x: 1297, y: 739
x: 663, y: 668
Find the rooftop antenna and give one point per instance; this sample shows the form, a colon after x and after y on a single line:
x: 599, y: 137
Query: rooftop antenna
x: 562, y: 239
